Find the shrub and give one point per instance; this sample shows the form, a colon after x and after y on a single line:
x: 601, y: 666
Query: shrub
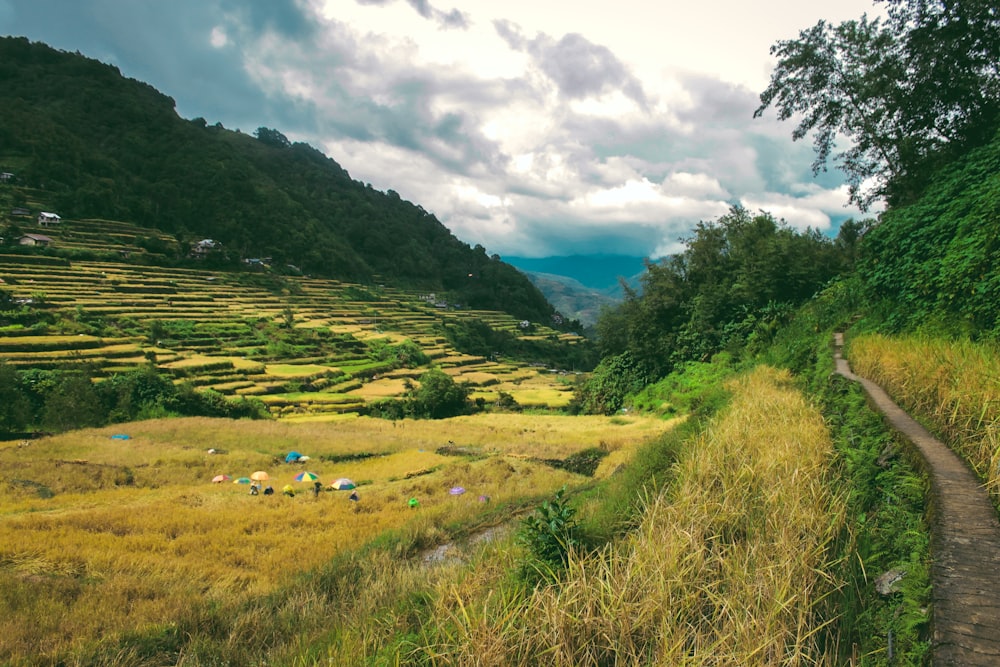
x: 438, y: 396
x: 550, y: 534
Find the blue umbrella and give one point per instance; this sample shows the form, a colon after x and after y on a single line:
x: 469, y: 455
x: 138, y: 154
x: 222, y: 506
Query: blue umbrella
x: 292, y: 457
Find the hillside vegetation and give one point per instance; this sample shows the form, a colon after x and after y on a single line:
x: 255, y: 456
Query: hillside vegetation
x: 88, y: 343
x: 86, y: 142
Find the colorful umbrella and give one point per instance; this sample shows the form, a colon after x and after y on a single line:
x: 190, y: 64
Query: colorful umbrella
x: 343, y: 484
x: 221, y: 478
x: 242, y: 480
x: 260, y: 476
x: 456, y: 490
x: 306, y: 476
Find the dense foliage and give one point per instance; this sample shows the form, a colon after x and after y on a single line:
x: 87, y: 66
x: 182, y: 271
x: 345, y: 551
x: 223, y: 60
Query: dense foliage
x: 93, y: 144
x: 435, y: 395
x: 910, y: 93
x: 57, y: 400
x: 933, y: 263
x: 550, y: 534
x: 737, y: 277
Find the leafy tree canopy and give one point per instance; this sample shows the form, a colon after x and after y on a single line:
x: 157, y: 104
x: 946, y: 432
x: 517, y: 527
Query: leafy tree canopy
x: 933, y: 263
x: 909, y: 93
x: 438, y: 396
x: 735, y: 276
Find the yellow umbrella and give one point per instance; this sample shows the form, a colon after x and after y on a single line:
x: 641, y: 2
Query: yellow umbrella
x: 260, y: 476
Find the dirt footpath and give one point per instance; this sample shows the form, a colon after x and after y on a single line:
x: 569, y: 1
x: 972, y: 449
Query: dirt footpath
x: 965, y: 543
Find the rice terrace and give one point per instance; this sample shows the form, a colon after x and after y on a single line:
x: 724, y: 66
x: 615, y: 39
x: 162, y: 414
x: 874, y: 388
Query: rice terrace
x: 486, y: 520
x: 103, y: 535
x: 118, y: 530
x: 254, y: 411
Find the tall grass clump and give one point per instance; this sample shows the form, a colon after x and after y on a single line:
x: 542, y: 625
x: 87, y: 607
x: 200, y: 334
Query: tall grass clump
x: 952, y: 385
x: 886, y: 531
x: 727, y: 565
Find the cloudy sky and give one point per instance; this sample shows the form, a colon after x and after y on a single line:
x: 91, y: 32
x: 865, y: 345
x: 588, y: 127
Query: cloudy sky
x: 532, y: 127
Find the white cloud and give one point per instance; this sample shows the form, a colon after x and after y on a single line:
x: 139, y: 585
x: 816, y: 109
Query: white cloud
x: 694, y: 185
x: 218, y: 38
x: 521, y: 125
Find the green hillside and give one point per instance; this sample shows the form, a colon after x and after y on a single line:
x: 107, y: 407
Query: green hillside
x: 85, y: 142
x: 301, y: 348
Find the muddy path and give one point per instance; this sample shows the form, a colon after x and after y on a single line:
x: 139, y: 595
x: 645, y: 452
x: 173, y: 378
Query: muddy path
x: 965, y: 542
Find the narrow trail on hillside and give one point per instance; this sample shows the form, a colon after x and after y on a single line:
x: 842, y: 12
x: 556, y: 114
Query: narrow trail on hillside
x: 965, y: 542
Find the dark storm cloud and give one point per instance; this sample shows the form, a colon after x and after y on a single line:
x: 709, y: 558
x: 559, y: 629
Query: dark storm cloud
x: 449, y: 138
x: 578, y: 67
x: 451, y: 19
x: 168, y: 46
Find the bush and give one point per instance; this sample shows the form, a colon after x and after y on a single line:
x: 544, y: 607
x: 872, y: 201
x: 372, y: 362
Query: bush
x: 613, y: 379
x: 438, y: 396
x: 550, y: 534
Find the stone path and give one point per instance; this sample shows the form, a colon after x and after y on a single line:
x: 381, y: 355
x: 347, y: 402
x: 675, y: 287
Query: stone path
x: 965, y: 543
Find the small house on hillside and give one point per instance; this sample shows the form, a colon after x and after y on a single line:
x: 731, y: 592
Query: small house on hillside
x: 35, y: 240
x: 203, y: 247
x: 19, y: 212
x: 46, y: 219
x: 6, y: 177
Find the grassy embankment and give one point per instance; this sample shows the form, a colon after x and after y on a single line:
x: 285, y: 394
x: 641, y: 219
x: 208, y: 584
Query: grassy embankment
x: 729, y: 564
x: 951, y: 385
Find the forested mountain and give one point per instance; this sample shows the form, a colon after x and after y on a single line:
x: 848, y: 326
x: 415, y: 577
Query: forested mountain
x: 573, y: 299
x: 95, y: 144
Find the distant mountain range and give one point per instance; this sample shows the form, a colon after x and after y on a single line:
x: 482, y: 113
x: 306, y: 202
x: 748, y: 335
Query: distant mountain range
x: 599, y: 272
x: 580, y: 286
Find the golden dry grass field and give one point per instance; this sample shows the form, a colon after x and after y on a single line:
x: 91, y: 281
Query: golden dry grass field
x: 102, y: 535
x: 727, y: 566
x: 954, y: 383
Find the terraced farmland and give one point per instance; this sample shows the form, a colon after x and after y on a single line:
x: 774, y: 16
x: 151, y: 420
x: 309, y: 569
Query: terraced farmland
x: 213, y: 329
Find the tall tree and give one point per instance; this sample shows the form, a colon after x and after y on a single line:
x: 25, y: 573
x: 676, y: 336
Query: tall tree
x: 15, y: 410
x: 908, y: 92
x: 736, y: 272
x: 73, y: 404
